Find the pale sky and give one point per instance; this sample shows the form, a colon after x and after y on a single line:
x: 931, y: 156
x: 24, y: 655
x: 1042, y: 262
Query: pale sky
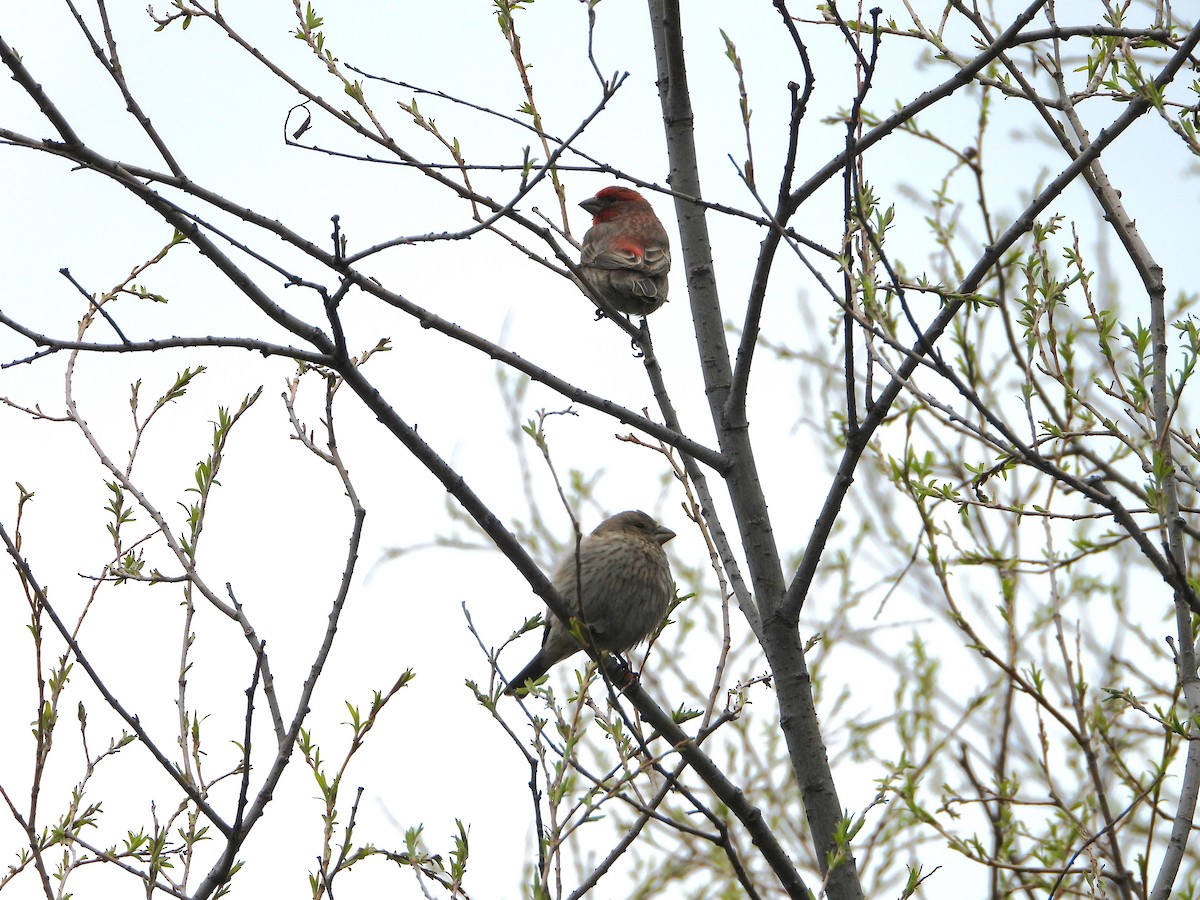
x: 278, y: 526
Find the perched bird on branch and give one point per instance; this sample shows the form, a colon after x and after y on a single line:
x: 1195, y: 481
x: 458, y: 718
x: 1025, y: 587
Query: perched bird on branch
x: 626, y: 589
x: 626, y: 254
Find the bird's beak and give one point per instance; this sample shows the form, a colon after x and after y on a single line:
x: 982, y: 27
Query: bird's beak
x: 592, y: 205
x: 662, y: 534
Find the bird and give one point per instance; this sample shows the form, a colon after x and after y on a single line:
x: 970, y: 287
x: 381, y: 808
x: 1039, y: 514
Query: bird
x: 625, y: 255
x: 626, y: 590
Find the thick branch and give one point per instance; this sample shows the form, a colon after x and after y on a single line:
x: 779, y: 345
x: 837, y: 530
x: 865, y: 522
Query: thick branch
x: 725, y: 790
x: 780, y: 641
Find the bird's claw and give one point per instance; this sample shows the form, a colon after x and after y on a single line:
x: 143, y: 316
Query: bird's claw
x: 620, y: 674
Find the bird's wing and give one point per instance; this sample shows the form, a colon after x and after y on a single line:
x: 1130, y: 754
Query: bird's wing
x: 656, y: 261
x: 612, y: 257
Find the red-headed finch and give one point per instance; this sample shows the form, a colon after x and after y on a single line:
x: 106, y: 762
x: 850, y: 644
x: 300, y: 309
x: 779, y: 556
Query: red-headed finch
x: 626, y: 589
x: 626, y: 255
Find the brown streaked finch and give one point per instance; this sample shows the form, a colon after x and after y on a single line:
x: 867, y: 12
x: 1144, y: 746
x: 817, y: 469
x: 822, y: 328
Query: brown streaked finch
x: 625, y: 254
x: 626, y: 590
